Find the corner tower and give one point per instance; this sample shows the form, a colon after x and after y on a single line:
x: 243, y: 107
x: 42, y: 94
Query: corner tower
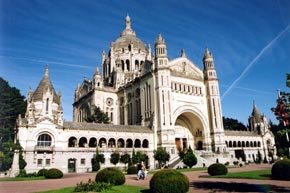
x: 213, y: 102
x: 165, y: 128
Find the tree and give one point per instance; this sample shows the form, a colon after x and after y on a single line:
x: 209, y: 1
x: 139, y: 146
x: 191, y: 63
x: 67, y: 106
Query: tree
x: 138, y: 157
x: 233, y: 124
x: 115, y: 158
x: 125, y: 158
x: 97, y: 160
x: 161, y: 155
x: 282, y: 113
x: 12, y: 104
x: 98, y: 116
x: 189, y: 158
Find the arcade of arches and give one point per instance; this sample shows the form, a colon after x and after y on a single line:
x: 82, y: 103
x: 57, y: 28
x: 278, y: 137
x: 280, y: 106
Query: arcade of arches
x: 103, y: 142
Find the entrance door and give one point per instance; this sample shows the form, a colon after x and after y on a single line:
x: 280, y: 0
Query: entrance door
x: 71, y: 165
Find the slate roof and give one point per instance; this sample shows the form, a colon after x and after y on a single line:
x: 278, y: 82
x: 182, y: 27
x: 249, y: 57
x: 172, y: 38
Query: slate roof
x: 43, y: 86
x: 105, y: 127
x: 241, y: 133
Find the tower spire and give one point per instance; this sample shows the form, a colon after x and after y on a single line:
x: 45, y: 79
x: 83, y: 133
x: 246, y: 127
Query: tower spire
x: 128, y: 30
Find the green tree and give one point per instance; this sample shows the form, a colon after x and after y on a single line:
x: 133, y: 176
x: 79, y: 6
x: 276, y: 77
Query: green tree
x: 98, y: 116
x: 97, y: 160
x: 161, y: 155
x: 125, y: 159
x: 189, y: 158
x: 115, y: 158
x: 12, y: 104
x: 138, y: 157
x: 233, y: 124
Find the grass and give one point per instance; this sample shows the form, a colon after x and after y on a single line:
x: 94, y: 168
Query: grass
x: 115, y: 189
x: 23, y: 178
x: 257, y: 174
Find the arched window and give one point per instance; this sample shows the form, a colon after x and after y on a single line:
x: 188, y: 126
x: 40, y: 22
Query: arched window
x: 259, y: 143
x: 47, y: 102
x: 230, y: 144
x: 93, y: 142
x: 129, y: 143
x: 234, y: 144
x: 247, y: 144
x: 128, y: 65
x: 145, y: 143
x: 121, y: 143
x: 255, y: 144
x: 44, y: 140
x: 137, y: 143
x: 239, y: 144
x: 72, y: 142
x: 102, y: 143
x: 251, y: 144
x: 83, y: 142
x: 112, y: 143
x: 243, y: 144
x: 227, y: 144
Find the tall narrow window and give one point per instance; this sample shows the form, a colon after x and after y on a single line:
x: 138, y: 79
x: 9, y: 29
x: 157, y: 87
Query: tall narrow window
x: 47, y: 101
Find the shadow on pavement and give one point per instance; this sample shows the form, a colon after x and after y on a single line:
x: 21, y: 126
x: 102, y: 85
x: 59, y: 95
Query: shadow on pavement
x: 237, y: 187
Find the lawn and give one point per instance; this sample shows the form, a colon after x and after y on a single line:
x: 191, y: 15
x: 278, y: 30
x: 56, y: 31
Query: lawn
x: 115, y: 189
x: 257, y: 174
x: 23, y: 178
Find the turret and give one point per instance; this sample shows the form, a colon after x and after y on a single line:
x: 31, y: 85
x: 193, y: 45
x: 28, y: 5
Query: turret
x: 161, y: 59
x: 208, y: 62
x: 98, y: 81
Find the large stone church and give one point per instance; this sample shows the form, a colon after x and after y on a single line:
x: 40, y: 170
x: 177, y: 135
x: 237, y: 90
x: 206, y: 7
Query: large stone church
x: 151, y: 101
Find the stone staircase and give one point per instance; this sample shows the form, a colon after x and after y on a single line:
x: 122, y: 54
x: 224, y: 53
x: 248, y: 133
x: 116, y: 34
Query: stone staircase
x: 203, y: 159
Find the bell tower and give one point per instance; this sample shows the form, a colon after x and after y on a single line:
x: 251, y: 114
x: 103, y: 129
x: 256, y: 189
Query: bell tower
x: 213, y: 102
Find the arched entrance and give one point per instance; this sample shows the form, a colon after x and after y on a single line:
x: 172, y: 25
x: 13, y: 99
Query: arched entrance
x: 189, y: 131
x: 71, y: 165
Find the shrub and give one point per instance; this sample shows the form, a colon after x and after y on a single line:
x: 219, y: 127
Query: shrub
x: 189, y: 158
x: 53, y: 173
x: 42, y: 172
x: 169, y: 181
x: 111, y: 175
x: 281, y: 170
x: 217, y: 169
x: 92, y: 186
x: 227, y: 163
x: 132, y: 170
x: 23, y: 174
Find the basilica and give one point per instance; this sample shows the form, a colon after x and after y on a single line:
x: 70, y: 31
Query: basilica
x: 151, y: 101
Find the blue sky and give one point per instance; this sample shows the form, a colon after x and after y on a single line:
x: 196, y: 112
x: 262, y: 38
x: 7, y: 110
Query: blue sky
x: 250, y: 41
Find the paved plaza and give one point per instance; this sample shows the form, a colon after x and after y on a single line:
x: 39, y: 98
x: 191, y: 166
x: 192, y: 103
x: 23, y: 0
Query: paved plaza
x: 198, y: 183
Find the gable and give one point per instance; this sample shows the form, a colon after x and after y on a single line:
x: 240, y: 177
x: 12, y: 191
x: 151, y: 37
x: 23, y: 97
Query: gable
x: 184, y: 67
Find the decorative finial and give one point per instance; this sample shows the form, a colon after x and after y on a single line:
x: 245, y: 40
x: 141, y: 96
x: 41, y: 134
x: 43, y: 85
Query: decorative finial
x: 128, y: 22
x: 183, y: 53
x: 46, y: 70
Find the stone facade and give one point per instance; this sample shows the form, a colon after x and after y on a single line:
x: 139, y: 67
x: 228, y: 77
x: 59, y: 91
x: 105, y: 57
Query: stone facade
x: 151, y: 101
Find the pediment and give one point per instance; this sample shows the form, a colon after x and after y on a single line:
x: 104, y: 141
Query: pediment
x: 184, y: 67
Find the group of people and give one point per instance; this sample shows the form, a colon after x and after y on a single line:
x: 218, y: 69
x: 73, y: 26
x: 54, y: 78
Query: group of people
x: 141, y: 171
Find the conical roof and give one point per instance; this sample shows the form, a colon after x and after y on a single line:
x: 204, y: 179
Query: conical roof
x: 44, y: 85
x: 256, y: 113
